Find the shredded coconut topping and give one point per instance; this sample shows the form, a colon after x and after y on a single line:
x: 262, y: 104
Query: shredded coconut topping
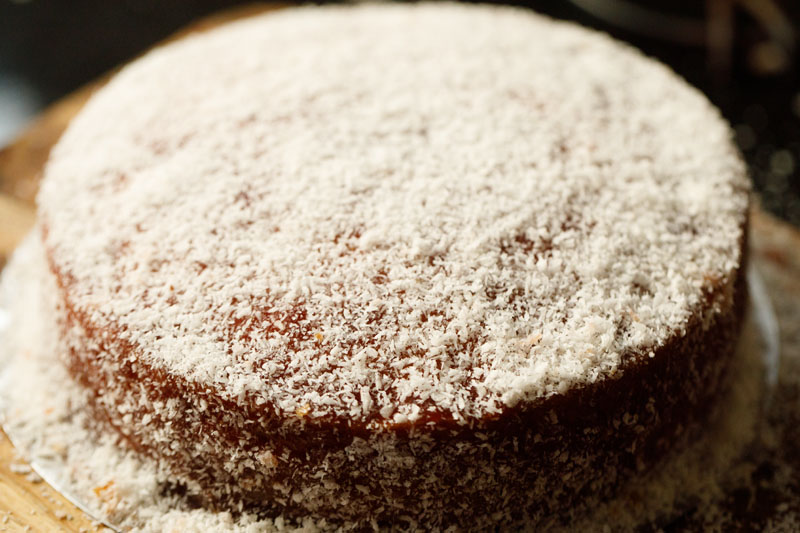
x: 395, y: 213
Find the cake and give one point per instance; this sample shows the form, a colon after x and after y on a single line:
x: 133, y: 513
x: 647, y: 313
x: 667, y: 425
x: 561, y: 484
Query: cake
x: 397, y: 265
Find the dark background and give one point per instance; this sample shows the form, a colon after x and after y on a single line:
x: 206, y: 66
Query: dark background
x: 741, y: 53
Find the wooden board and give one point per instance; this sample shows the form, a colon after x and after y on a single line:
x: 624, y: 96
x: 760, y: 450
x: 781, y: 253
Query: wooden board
x: 27, y: 502
x: 30, y: 505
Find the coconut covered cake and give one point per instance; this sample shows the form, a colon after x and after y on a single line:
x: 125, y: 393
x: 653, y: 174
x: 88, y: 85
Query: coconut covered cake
x: 422, y: 265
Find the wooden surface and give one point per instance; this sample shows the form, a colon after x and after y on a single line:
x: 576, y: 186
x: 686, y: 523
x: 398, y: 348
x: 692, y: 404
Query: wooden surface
x: 27, y: 504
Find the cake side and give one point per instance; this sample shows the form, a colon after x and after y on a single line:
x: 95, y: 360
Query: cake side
x: 534, y: 462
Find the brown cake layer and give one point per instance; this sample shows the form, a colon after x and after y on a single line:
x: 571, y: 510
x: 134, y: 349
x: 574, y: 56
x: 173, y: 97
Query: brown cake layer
x: 533, y: 463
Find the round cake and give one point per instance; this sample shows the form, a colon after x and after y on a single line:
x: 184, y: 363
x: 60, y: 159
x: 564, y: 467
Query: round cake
x: 412, y: 265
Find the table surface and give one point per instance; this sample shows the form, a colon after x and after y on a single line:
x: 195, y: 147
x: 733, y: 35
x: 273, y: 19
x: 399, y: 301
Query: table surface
x: 772, y: 501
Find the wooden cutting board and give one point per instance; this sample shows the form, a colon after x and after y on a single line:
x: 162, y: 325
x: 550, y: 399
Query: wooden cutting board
x: 27, y: 504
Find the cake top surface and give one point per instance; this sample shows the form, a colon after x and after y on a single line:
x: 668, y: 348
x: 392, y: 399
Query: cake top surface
x: 395, y: 213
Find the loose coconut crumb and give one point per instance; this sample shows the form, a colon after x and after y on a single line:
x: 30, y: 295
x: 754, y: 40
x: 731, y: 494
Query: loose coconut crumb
x: 408, y: 209
x: 20, y: 468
